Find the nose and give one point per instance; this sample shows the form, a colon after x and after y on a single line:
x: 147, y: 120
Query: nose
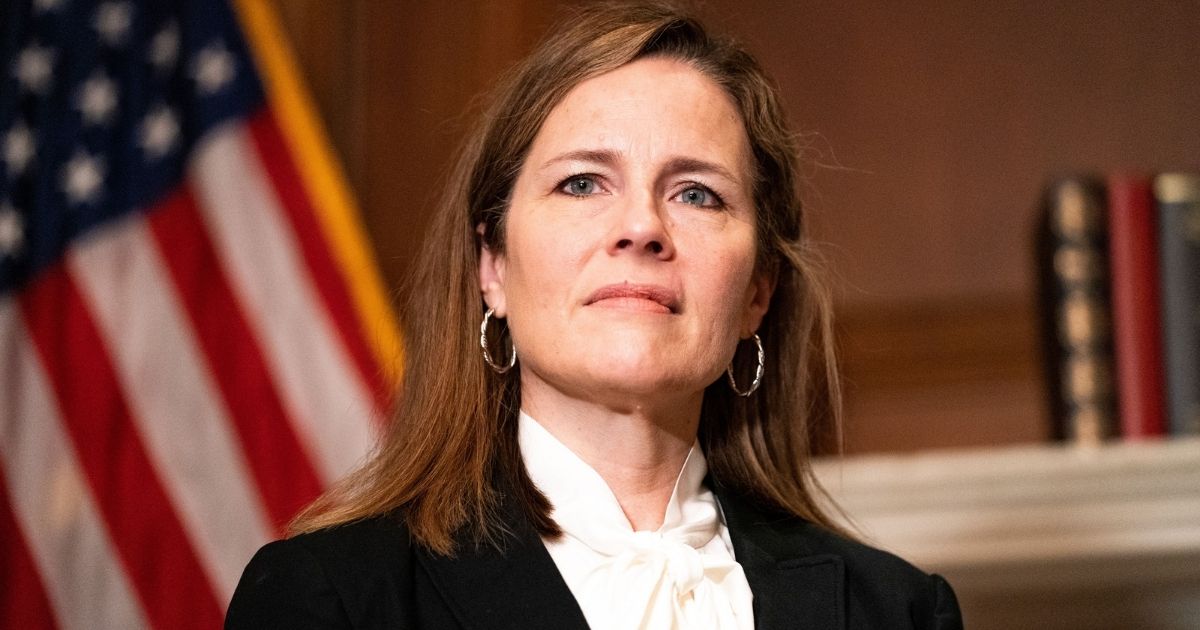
x: 641, y: 228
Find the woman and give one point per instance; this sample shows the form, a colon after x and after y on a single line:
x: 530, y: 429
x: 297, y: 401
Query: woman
x: 631, y: 448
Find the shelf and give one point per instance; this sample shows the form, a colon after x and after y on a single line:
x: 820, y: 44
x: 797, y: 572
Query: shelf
x: 1009, y: 523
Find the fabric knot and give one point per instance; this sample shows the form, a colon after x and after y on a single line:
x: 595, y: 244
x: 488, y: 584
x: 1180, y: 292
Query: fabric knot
x: 681, y: 562
x: 682, y: 575
x: 685, y: 567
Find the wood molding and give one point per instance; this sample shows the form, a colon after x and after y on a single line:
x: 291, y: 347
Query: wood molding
x: 1010, y: 527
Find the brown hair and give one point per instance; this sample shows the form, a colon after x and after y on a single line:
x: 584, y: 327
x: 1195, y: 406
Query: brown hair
x: 452, y: 446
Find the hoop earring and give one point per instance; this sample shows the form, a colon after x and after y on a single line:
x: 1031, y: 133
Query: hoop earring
x: 487, y: 356
x: 758, y: 373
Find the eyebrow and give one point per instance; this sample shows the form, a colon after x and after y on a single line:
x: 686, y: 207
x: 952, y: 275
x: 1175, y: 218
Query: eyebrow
x: 600, y: 156
x: 675, y: 165
x: 693, y: 165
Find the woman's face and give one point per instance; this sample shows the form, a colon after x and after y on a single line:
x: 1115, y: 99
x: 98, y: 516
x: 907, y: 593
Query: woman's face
x: 628, y: 271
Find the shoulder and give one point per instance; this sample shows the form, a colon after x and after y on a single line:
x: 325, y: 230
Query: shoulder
x: 881, y: 584
x: 362, y: 546
x: 859, y: 556
x: 332, y: 578
x: 861, y: 585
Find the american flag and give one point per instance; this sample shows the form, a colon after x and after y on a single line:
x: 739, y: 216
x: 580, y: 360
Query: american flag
x: 193, y: 338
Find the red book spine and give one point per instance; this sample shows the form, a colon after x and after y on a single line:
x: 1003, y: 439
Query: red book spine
x: 1137, y: 336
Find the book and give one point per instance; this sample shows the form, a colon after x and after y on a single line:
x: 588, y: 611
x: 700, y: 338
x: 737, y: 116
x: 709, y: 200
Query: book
x: 1073, y: 260
x: 1134, y: 294
x: 1178, y: 196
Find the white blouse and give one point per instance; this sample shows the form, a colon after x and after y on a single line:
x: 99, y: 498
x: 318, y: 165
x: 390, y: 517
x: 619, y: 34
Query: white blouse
x: 682, y: 575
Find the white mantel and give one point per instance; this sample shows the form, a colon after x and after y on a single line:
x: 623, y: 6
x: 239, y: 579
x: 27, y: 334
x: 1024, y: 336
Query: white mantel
x: 1043, y: 536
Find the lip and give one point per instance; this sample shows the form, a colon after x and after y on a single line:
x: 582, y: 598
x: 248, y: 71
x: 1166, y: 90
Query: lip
x: 630, y: 294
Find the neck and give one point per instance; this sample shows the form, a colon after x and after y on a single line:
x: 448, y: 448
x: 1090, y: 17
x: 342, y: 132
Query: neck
x: 637, y: 448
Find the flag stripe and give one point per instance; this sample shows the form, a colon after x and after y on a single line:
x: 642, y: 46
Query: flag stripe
x: 329, y: 404
x: 323, y: 179
x: 23, y: 602
x: 196, y: 341
x: 282, y: 470
x: 147, y: 534
x: 299, y: 211
x: 83, y: 578
x: 172, y: 397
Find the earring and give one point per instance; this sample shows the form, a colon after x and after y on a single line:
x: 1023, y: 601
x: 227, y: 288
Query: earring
x: 487, y: 356
x: 758, y: 373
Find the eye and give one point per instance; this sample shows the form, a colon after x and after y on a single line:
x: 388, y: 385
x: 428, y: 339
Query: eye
x: 579, y: 185
x: 700, y: 197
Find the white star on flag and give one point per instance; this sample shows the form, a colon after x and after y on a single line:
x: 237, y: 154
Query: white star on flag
x: 164, y: 48
x: 83, y: 177
x: 18, y: 149
x: 34, y: 68
x: 153, y: 222
x: 12, y: 234
x: 112, y: 22
x: 158, y: 132
x: 212, y: 69
x: 97, y: 99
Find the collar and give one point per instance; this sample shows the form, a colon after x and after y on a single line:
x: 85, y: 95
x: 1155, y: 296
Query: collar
x: 517, y: 585
x: 574, y: 488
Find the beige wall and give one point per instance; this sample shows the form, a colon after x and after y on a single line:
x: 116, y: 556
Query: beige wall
x: 931, y: 125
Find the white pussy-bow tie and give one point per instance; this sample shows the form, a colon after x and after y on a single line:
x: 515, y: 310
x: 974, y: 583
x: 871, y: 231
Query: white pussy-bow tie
x: 658, y: 579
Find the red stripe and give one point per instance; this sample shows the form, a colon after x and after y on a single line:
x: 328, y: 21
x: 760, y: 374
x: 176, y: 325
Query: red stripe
x: 149, y: 538
x: 286, y: 182
x: 282, y: 470
x: 23, y: 601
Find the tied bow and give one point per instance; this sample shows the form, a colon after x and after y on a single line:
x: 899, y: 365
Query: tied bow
x: 681, y: 576
x: 658, y: 579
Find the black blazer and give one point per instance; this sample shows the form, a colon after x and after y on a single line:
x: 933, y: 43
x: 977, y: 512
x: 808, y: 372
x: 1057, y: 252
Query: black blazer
x: 368, y: 575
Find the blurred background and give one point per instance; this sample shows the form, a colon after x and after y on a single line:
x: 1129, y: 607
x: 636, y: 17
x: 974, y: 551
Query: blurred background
x: 931, y: 130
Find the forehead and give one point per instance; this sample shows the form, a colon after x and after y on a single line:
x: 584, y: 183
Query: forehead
x: 647, y: 107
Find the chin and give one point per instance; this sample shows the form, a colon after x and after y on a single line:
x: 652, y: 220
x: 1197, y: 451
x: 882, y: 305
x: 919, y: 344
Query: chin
x: 645, y: 375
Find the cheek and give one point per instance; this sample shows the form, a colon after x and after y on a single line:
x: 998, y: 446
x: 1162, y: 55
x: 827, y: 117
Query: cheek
x: 728, y: 274
x: 542, y: 262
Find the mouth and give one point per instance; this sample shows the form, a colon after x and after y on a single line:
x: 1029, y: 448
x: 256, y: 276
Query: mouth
x: 637, y: 297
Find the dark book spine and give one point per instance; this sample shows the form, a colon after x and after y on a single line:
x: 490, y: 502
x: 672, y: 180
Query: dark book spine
x: 1178, y: 196
x: 1137, y: 334
x: 1074, y: 264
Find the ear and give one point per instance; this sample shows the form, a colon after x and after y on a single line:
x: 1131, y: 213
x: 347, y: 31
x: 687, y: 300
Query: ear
x: 758, y: 299
x: 491, y: 276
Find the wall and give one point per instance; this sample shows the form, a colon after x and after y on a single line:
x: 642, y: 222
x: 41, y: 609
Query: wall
x: 931, y: 128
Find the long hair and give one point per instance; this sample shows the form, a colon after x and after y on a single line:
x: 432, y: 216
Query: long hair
x: 451, y: 454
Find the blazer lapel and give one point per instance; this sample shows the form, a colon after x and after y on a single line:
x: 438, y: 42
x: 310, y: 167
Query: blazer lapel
x: 516, y: 587
x: 793, y: 586
x: 519, y: 586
